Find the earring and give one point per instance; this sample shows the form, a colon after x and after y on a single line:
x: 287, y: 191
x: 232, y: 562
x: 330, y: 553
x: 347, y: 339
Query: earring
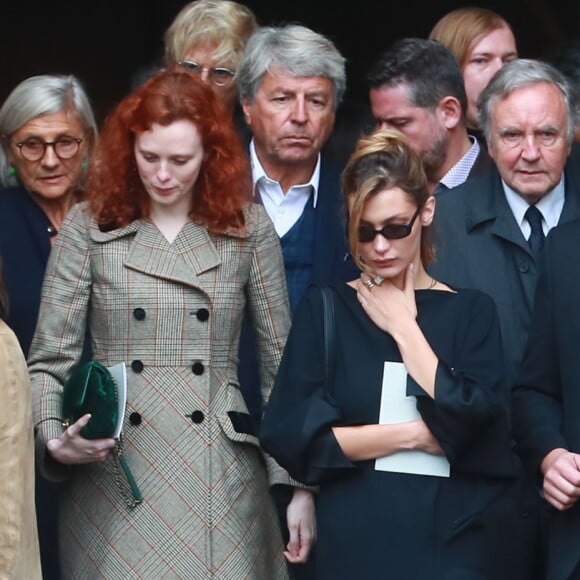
x: 12, y: 170
x: 84, y: 164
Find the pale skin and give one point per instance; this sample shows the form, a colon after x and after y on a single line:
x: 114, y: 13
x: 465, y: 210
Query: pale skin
x: 50, y: 180
x: 291, y: 118
x: 561, y: 469
x: 439, y: 136
x: 169, y: 159
x: 392, y: 307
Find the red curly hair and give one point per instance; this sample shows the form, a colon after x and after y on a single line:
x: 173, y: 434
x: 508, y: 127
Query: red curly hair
x: 115, y: 192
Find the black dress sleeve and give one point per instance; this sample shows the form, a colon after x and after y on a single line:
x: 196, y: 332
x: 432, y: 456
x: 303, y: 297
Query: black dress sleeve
x: 469, y: 415
x: 297, y: 421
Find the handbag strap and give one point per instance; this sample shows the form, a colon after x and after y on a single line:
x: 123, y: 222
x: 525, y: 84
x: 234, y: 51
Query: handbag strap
x: 329, y: 331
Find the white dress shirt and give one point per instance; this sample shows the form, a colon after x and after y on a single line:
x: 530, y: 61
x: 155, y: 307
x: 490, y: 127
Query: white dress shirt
x: 284, y: 209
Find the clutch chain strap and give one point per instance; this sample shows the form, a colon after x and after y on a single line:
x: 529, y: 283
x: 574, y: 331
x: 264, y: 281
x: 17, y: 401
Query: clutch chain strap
x: 127, y: 486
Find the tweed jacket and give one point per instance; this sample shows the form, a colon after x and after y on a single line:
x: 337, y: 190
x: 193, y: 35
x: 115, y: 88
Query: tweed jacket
x: 19, y: 553
x: 173, y: 313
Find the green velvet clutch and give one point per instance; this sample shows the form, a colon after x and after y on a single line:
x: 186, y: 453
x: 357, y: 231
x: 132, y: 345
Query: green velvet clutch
x: 91, y: 389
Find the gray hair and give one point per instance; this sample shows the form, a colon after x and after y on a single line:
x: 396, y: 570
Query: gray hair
x: 521, y: 73
x: 294, y: 48
x: 42, y: 95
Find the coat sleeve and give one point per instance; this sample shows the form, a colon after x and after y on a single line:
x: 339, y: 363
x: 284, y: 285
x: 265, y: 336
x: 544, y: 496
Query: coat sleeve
x: 15, y: 458
x: 297, y: 422
x: 537, y: 398
x: 267, y: 297
x: 469, y: 414
x: 60, y: 331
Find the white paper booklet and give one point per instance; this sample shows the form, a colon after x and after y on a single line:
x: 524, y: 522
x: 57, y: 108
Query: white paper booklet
x: 397, y: 407
x: 119, y: 373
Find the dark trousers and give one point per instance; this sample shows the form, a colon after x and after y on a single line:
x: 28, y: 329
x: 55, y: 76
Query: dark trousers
x: 47, y: 496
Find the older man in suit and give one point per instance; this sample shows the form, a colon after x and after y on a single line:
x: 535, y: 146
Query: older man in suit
x: 291, y: 81
x: 546, y: 398
x: 490, y: 231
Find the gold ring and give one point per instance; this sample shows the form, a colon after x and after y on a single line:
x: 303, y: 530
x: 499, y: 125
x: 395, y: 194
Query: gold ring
x: 369, y: 283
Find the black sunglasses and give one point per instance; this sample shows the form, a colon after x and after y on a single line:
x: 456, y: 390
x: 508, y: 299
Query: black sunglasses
x: 367, y: 233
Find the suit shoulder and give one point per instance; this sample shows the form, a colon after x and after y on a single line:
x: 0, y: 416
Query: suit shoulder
x: 566, y: 233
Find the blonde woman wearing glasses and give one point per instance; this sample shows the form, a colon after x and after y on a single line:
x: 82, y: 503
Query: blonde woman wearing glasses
x: 207, y: 38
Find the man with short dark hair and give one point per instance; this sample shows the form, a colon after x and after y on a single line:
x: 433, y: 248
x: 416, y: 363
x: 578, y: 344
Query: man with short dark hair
x: 416, y: 87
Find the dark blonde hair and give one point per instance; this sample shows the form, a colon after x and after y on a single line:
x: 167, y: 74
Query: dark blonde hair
x: 383, y: 160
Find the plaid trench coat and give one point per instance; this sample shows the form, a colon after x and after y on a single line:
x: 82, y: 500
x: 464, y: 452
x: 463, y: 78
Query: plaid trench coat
x: 173, y: 313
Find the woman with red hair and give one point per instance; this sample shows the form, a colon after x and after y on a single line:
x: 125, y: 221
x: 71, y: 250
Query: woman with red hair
x: 159, y: 264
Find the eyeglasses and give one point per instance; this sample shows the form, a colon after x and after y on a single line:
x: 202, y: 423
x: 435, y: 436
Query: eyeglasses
x: 34, y: 149
x: 542, y: 138
x: 367, y: 233
x: 218, y: 75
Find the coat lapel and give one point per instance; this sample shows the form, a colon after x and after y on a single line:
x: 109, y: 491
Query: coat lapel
x: 187, y: 260
x: 494, y: 207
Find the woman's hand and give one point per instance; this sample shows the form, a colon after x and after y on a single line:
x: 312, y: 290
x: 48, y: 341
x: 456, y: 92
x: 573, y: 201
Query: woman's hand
x: 301, y: 526
x: 72, y: 448
x: 425, y: 440
x: 386, y: 305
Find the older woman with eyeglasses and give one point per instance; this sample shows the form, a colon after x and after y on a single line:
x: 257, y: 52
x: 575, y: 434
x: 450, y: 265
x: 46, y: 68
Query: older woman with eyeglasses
x: 47, y: 134
x: 207, y: 38
x: 406, y: 431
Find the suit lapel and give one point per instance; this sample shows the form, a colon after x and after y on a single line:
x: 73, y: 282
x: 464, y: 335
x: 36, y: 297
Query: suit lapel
x: 571, y: 208
x: 328, y: 242
x: 494, y: 207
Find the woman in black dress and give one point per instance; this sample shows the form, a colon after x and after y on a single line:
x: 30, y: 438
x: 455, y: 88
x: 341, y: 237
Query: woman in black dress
x: 407, y: 520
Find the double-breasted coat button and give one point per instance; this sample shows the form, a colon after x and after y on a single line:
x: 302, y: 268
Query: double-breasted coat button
x: 197, y: 368
x: 135, y: 418
x: 197, y: 416
x: 139, y: 314
x: 202, y: 314
x: 137, y: 366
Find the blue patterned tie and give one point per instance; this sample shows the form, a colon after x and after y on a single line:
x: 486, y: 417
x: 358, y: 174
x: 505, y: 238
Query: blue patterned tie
x: 536, y: 239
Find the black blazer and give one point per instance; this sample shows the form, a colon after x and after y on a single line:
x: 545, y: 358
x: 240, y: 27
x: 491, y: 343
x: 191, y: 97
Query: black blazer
x: 24, y: 246
x: 546, y: 398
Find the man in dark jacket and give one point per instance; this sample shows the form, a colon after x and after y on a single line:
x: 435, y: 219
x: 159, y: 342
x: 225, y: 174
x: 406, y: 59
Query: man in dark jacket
x: 489, y: 235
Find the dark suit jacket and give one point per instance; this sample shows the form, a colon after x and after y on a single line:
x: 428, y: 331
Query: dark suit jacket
x: 483, y: 164
x: 546, y: 398
x: 331, y: 263
x: 479, y: 245
x: 24, y: 247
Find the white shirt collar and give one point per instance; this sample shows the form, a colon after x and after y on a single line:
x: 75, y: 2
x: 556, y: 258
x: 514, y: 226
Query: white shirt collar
x: 550, y: 205
x: 258, y: 173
